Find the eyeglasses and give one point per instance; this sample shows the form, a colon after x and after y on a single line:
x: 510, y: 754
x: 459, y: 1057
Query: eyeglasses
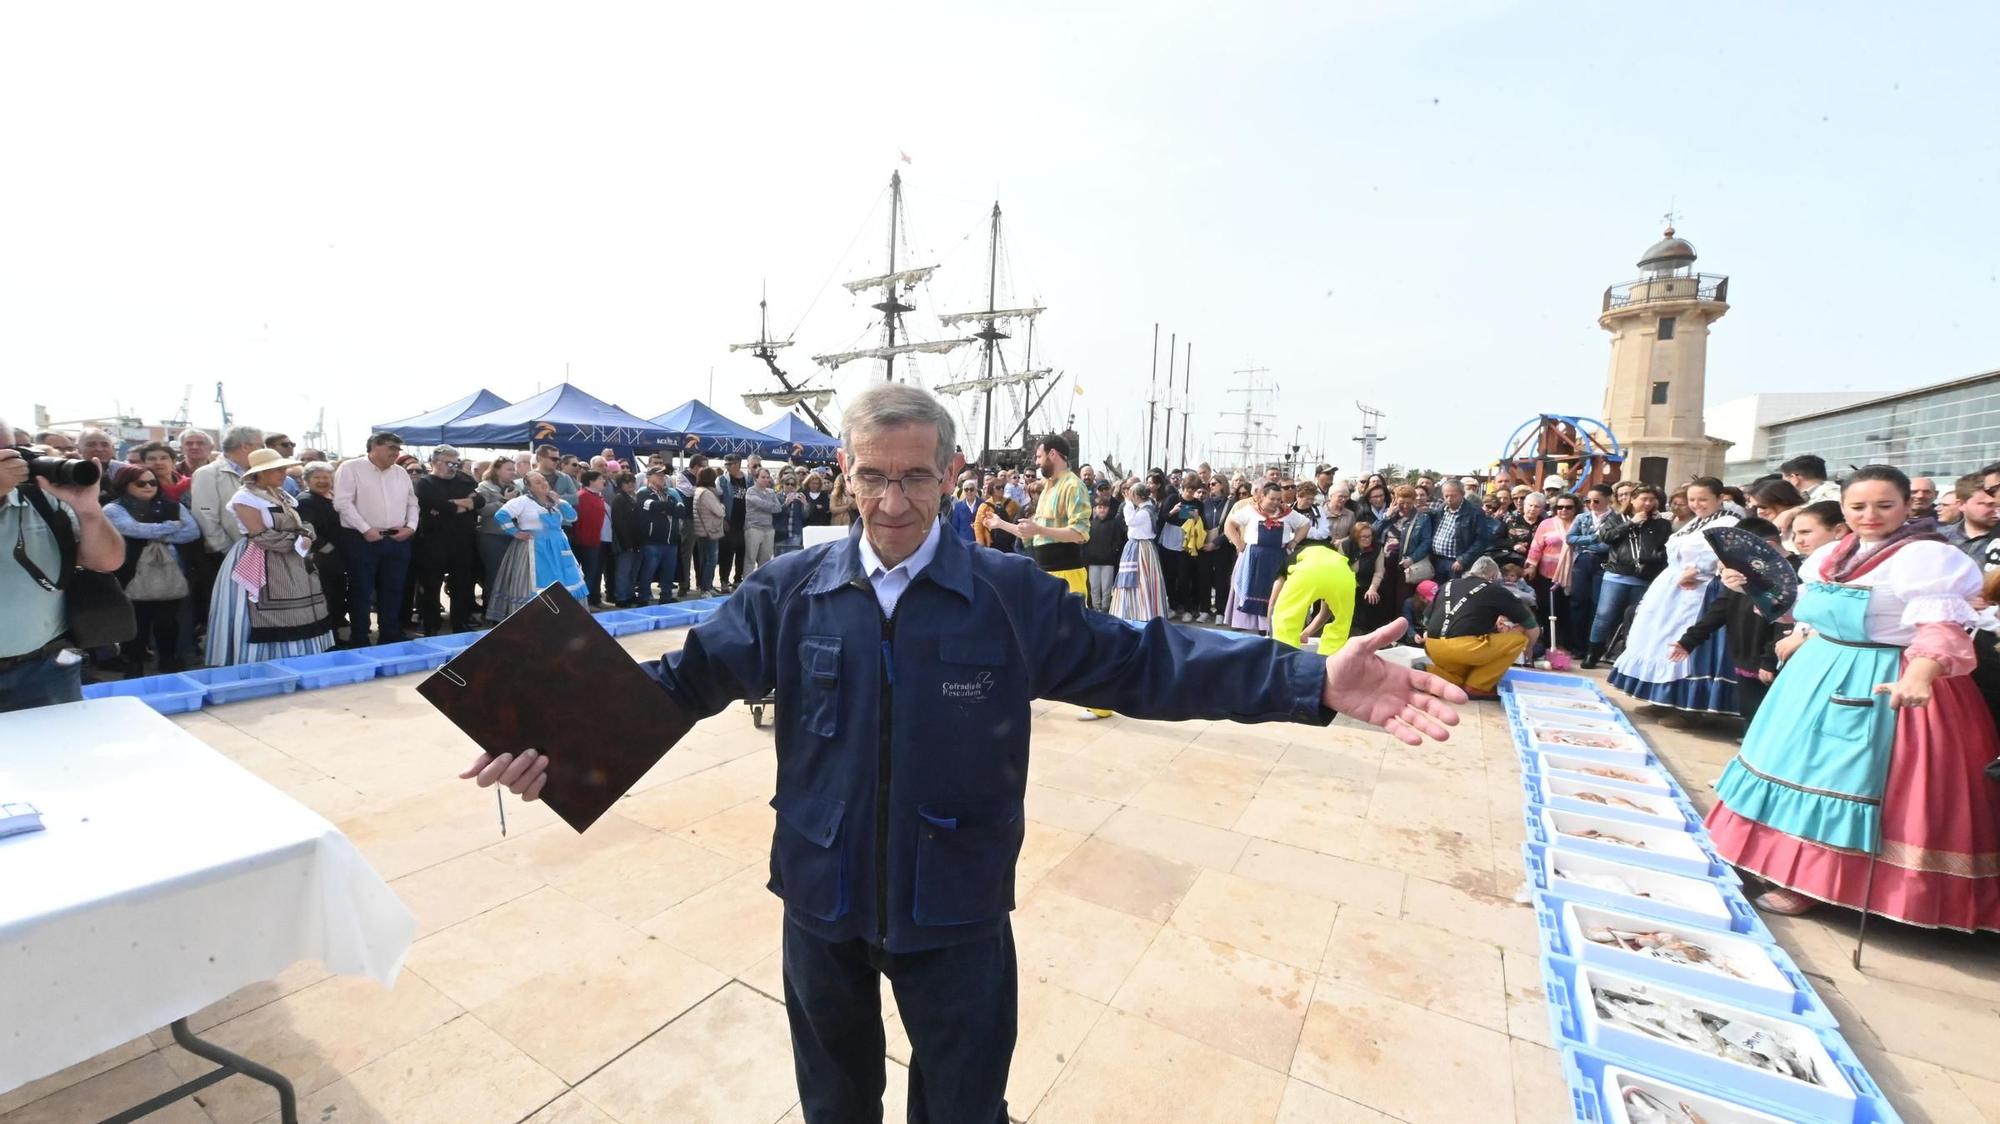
x: 1565, y: 507
x: 145, y: 483
x: 875, y: 485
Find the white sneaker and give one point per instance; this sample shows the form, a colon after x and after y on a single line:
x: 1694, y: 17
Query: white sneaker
x: 1208, y: 618
x: 1090, y: 716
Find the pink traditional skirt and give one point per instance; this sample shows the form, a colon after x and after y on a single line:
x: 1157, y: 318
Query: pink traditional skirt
x: 1940, y: 863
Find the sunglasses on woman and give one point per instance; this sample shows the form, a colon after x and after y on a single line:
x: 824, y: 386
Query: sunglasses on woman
x: 145, y: 483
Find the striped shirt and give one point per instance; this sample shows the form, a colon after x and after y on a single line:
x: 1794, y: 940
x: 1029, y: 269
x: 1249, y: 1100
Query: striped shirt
x: 1063, y: 504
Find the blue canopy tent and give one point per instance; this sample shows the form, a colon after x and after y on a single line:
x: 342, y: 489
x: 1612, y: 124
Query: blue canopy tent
x: 563, y: 416
x: 803, y: 441
x: 695, y: 428
x: 428, y: 428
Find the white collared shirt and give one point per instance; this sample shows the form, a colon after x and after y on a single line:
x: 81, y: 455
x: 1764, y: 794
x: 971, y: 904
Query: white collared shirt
x: 890, y: 583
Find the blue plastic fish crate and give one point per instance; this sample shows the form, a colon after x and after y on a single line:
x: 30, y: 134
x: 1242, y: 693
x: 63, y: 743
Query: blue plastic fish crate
x: 1743, y: 916
x: 404, y: 656
x: 624, y: 622
x: 168, y: 694
x: 1535, y: 787
x: 1771, y: 1094
x: 1806, y: 1006
x: 244, y: 681
x: 1519, y: 675
x: 668, y: 616
x: 328, y: 669
x: 1718, y: 871
x: 1583, y: 1067
x: 453, y: 644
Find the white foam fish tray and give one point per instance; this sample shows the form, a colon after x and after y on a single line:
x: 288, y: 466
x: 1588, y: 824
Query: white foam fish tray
x: 1756, y: 977
x: 1593, y: 798
x: 1706, y: 1108
x: 1639, y: 778
x: 1834, y: 1098
x: 1583, y: 877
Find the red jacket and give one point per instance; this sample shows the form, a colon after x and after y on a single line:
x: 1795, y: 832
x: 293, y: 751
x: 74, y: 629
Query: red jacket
x: 588, y: 531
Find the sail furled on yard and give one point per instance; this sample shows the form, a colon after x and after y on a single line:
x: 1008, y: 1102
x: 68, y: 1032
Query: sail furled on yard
x: 927, y: 347
x: 901, y: 277
x: 951, y: 319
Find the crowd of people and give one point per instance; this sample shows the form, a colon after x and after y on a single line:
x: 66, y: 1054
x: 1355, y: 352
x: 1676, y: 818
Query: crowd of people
x: 1870, y: 708
x: 247, y: 548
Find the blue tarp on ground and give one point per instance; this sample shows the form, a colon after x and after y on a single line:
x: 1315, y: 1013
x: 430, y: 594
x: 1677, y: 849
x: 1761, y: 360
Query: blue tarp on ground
x: 695, y: 428
x: 563, y: 416
x: 427, y: 428
x: 803, y: 441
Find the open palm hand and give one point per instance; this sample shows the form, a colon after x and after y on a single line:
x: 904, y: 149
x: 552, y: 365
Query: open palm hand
x: 1412, y: 705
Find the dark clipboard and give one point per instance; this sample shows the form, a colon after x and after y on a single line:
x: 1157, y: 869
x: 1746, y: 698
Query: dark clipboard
x: 549, y: 678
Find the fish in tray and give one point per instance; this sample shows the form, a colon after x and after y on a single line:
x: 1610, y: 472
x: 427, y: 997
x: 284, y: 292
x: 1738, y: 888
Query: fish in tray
x: 1584, y: 739
x: 1551, y: 702
x: 1671, y: 947
x: 1671, y: 1018
x: 1610, y: 883
x: 1642, y: 1106
x: 1606, y: 837
x: 1611, y: 800
x: 1613, y: 773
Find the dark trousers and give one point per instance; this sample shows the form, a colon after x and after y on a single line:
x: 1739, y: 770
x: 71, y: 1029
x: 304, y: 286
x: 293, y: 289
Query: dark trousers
x: 705, y: 552
x: 958, y: 1005
x: 729, y: 557
x: 377, y: 574
x: 1586, y: 571
x: 1750, y: 692
x: 1172, y: 565
x: 44, y: 682
x: 331, y: 566
x: 624, y: 574
x: 201, y: 581
x: 1216, y: 566
x: 1613, y: 599
x: 450, y: 567
x: 658, y: 562
x: 160, y: 621
x: 590, y: 559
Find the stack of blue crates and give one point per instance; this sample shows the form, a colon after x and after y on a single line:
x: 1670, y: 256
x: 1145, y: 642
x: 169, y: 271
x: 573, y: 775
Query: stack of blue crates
x: 1614, y: 844
x: 178, y: 693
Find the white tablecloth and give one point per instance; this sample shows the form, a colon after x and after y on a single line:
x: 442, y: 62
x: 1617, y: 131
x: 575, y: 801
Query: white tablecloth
x: 168, y: 878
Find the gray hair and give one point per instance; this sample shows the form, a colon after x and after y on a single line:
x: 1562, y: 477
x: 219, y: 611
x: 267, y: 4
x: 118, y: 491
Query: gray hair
x: 1483, y: 567
x: 192, y: 431
x: 1535, y: 497
x: 893, y: 404
x: 242, y: 437
x: 315, y: 466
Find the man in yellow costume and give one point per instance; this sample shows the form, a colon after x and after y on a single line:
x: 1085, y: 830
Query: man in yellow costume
x: 1055, y: 534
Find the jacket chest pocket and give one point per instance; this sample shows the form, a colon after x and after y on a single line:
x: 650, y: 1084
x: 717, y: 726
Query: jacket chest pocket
x: 819, y: 685
x: 965, y: 860
x: 808, y: 856
x: 970, y: 670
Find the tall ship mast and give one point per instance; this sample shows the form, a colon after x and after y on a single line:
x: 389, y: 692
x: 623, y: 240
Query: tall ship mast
x: 766, y: 348
x: 990, y: 318
x: 895, y: 285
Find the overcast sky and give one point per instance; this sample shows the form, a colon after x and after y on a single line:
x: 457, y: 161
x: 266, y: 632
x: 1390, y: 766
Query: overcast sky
x: 376, y: 209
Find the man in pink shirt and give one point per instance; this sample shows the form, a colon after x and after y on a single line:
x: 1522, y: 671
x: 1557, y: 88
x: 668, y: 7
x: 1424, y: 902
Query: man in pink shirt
x: 378, y: 514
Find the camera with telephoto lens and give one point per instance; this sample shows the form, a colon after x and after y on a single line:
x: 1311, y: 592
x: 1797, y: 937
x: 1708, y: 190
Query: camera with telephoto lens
x: 59, y: 470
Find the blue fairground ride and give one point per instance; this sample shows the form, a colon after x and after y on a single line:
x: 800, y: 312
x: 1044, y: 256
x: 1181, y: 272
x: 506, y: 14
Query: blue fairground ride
x: 1580, y: 451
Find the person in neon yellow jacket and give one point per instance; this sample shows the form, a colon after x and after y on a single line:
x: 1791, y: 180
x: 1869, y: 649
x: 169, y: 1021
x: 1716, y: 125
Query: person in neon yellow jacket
x: 1316, y: 575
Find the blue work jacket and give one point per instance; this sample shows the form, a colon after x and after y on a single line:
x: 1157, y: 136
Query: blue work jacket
x: 903, y: 742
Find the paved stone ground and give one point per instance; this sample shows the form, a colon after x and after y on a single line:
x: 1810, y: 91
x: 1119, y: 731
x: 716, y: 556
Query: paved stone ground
x: 1216, y: 923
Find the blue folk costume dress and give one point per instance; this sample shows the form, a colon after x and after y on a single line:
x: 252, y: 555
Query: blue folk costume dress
x: 533, y: 563
x: 1705, y: 682
x: 1830, y: 774
x: 1257, y: 569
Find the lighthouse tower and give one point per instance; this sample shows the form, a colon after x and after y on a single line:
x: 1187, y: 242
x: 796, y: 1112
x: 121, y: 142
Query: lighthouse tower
x: 1659, y: 361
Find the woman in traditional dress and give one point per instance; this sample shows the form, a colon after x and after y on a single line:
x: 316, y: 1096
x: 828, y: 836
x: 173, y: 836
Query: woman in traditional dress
x: 1263, y: 534
x: 1140, y: 594
x: 541, y: 552
x: 1703, y: 682
x: 1874, y: 738
x: 267, y: 603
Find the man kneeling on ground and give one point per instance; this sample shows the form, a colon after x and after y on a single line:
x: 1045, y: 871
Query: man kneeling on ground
x: 1463, y: 636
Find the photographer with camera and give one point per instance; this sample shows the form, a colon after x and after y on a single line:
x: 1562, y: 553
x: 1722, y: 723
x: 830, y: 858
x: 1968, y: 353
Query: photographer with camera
x: 37, y: 491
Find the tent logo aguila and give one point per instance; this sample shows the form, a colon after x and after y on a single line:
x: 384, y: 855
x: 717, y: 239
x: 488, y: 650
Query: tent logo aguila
x: 545, y: 431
